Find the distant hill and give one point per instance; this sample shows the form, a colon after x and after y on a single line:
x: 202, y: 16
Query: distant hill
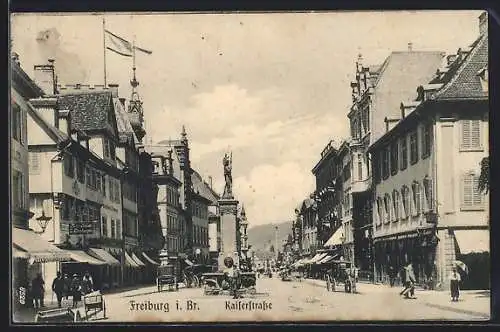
x: 261, y: 237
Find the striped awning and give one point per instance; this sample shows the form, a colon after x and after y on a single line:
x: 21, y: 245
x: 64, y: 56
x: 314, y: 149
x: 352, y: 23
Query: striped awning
x: 149, y: 259
x: 335, y: 239
x: 129, y: 261
x: 81, y: 256
x: 35, y: 248
x: 137, y: 260
x: 104, y: 256
x: 317, y: 258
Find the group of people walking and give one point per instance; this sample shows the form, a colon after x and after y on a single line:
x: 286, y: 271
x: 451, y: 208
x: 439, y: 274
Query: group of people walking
x: 63, y: 287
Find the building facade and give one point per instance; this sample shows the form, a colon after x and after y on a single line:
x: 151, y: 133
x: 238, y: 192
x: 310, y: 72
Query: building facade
x: 428, y: 208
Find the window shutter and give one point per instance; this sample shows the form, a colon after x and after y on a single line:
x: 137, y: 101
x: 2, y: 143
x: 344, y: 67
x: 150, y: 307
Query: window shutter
x: 466, y: 134
x: 475, y: 134
x: 476, y: 195
x: 467, y: 190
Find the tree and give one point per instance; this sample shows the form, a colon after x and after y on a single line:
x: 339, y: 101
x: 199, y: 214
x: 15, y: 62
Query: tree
x: 484, y: 177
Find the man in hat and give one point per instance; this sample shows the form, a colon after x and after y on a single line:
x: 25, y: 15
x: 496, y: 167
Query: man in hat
x: 58, y: 287
x: 233, y: 274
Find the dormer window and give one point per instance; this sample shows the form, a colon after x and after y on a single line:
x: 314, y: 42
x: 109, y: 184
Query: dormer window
x: 483, y: 77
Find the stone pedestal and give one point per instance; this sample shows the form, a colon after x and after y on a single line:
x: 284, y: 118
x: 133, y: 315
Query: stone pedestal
x: 163, y: 256
x: 228, y: 209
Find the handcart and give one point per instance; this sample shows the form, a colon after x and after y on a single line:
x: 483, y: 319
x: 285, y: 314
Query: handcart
x: 93, y: 304
x: 60, y: 315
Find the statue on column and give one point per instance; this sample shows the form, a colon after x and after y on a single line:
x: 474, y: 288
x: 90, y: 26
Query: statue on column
x: 227, y: 162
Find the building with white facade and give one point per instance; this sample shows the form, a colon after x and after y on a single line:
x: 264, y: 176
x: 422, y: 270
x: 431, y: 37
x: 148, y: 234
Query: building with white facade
x: 428, y: 210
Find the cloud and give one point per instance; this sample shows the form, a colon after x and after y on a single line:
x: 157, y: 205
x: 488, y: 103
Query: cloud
x: 270, y: 193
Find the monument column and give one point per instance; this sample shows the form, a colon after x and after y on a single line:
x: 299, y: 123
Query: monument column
x: 228, y: 209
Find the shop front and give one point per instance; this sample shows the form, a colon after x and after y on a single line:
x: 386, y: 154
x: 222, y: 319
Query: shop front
x: 32, y: 255
x: 417, y: 247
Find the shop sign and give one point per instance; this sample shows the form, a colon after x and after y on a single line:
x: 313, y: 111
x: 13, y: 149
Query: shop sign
x: 86, y: 227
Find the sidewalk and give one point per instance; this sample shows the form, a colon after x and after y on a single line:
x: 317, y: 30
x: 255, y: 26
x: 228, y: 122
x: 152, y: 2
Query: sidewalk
x: 471, y: 302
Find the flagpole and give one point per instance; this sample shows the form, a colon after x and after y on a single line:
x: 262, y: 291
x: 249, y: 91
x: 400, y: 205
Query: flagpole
x: 104, y: 48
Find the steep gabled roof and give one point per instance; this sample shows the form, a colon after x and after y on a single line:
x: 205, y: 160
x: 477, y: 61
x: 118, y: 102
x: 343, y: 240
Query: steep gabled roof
x: 466, y: 83
x: 123, y: 124
x: 57, y: 135
x: 89, y: 110
x: 202, y: 188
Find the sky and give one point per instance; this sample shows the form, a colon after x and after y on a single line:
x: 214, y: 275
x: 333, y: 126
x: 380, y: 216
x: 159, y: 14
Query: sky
x: 274, y: 88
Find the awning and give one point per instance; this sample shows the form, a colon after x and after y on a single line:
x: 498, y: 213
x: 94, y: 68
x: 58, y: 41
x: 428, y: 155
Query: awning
x: 329, y: 258
x: 137, y: 260
x: 129, y: 261
x: 18, y: 253
x: 37, y: 249
x: 82, y: 257
x: 335, y: 239
x: 317, y: 258
x: 103, y: 255
x: 188, y: 262
x: 149, y: 260
x: 473, y: 240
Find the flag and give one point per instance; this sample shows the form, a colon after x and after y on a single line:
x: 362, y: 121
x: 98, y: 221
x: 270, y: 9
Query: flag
x: 118, y: 44
x: 143, y: 50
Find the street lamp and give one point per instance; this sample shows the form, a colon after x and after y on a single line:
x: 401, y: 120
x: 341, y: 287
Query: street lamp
x: 43, y: 221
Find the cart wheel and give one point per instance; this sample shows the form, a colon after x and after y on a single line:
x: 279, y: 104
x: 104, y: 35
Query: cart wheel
x: 196, y: 282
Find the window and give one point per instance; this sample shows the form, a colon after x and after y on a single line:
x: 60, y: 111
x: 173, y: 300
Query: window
x: 34, y: 163
x: 413, y: 147
x: 17, y: 123
x: 471, y: 135
x: 385, y: 163
x: 80, y: 171
x: 394, y: 158
x: 118, y: 229
x: 69, y: 166
x: 387, y: 208
x: 404, y: 153
x: 471, y: 197
x: 88, y: 176
x: 18, y: 189
x: 426, y: 140
x: 395, y: 201
x: 113, y: 229
x: 98, y: 184
x: 379, y: 211
x: 366, y: 119
x: 360, y: 168
x: 428, y: 193
x: 104, y: 226
x: 406, y: 202
x: 416, y: 197
x: 103, y: 181
x: 105, y: 147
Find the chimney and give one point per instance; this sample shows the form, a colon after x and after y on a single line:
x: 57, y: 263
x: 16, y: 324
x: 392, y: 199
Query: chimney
x: 410, y: 46
x: 45, y: 77
x: 483, y: 23
x: 63, y: 121
x: 114, y: 90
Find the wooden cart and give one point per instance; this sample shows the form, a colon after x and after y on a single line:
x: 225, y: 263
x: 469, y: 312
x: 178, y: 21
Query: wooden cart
x: 165, y: 277
x: 61, y: 315
x: 94, y: 303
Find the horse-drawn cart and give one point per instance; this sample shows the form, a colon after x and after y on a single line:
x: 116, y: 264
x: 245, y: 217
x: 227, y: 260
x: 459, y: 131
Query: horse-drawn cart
x: 341, y: 272
x: 165, y: 277
x: 218, y: 283
x: 192, y: 274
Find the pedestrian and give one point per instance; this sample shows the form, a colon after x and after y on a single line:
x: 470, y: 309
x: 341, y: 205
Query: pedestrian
x: 76, y: 290
x: 392, y: 275
x: 409, y: 277
x: 455, y: 279
x: 232, y: 274
x: 38, y: 290
x: 58, y: 288
x: 67, y: 286
x: 87, y: 284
